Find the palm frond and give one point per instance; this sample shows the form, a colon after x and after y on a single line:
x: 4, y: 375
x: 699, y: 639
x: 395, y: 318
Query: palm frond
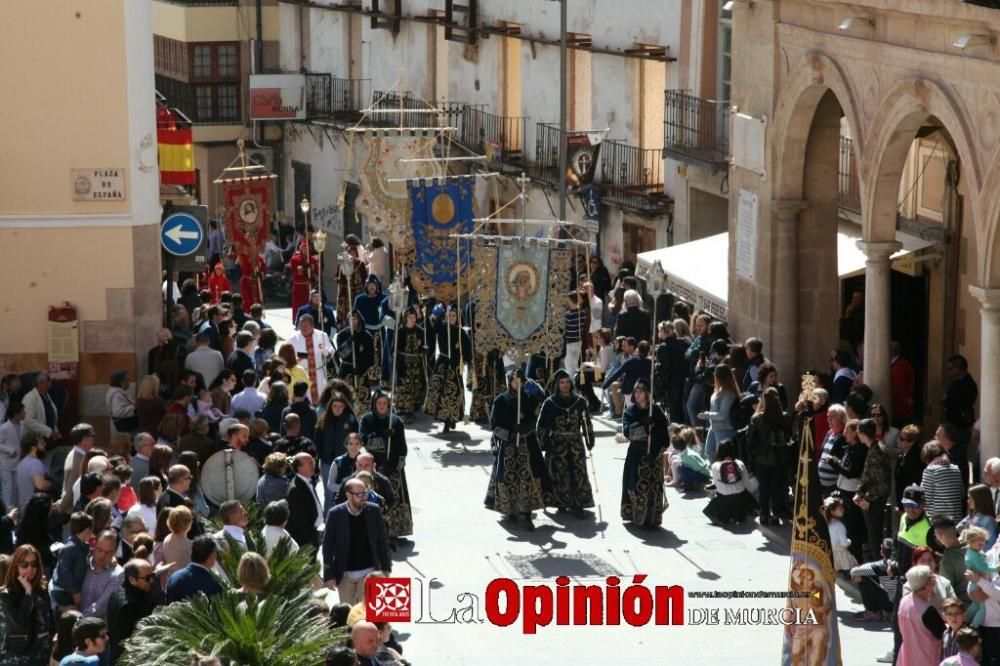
x: 251, y: 630
x: 290, y: 572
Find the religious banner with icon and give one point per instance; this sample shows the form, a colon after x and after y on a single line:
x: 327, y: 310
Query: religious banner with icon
x: 248, y: 206
x: 811, y: 635
x: 384, y: 198
x: 582, y: 149
x: 440, y: 208
x: 519, y: 290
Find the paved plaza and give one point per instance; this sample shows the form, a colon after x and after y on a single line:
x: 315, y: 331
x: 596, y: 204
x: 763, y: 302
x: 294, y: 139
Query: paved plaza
x: 458, y: 547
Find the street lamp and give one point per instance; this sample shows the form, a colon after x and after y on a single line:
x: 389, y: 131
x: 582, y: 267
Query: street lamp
x: 398, y: 297
x: 656, y: 285
x: 346, y: 261
x: 319, y: 240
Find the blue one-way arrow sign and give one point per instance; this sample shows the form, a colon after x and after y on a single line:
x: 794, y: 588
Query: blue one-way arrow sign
x: 181, y: 234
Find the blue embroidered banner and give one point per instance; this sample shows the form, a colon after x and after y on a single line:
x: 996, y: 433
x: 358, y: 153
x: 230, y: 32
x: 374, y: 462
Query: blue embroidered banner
x: 522, y: 292
x: 440, y: 208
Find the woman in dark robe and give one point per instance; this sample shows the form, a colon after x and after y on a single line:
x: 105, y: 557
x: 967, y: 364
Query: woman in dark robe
x: 564, y: 430
x: 642, y: 500
x: 446, y: 396
x: 411, y: 368
x: 515, y: 487
x: 384, y: 438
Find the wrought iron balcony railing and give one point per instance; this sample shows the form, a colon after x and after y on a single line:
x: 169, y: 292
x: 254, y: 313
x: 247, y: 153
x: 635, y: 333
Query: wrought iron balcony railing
x: 500, y: 138
x: 632, y: 177
x: 696, y: 130
x: 319, y: 89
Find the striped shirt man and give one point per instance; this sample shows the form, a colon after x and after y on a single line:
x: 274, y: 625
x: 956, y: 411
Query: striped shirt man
x: 944, y: 492
x: 833, y: 446
x: 574, y: 323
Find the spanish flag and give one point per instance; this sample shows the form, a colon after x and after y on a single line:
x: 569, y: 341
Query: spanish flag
x: 175, y: 149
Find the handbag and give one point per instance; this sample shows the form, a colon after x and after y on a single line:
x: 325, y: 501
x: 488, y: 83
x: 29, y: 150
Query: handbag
x: 127, y: 424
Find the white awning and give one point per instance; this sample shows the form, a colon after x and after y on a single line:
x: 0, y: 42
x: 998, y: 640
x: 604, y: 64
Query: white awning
x: 698, y: 271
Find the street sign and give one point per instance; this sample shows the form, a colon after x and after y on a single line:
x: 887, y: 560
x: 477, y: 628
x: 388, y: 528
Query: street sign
x: 183, y: 237
x: 181, y: 234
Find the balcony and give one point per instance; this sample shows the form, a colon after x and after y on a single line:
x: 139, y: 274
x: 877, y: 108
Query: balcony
x: 545, y: 167
x: 204, y: 103
x: 500, y: 138
x: 632, y: 178
x: 349, y: 97
x: 696, y: 130
x: 848, y: 188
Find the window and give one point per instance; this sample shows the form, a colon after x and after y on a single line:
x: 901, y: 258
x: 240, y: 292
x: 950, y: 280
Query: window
x: 169, y: 57
x: 202, y: 65
x: 725, y: 54
x: 203, y: 100
x: 216, y: 69
x: 215, y: 61
x: 227, y: 59
x: 227, y: 98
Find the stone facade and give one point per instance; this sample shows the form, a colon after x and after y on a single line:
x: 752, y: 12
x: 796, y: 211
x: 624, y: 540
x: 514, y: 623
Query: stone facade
x: 882, y: 77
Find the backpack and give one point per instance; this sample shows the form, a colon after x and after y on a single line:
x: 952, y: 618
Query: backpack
x: 730, y: 472
x: 741, y: 410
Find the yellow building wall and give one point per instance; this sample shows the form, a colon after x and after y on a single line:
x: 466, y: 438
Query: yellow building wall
x: 43, y: 267
x: 212, y: 24
x: 65, y: 103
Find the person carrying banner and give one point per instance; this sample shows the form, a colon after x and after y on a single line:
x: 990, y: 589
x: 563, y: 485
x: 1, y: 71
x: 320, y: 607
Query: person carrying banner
x: 349, y: 286
x: 642, y: 501
x: 411, y: 367
x: 384, y: 438
x: 564, y: 429
x: 355, y: 355
x: 305, y: 272
x: 370, y: 304
x: 251, y: 279
x: 515, y: 487
x: 446, y: 395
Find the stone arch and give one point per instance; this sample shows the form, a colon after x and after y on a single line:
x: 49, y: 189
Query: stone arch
x: 989, y: 253
x: 800, y: 95
x: 902, y: 112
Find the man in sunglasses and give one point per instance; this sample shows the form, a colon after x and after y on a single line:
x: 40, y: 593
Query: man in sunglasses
x: 355, y: 544
x: 130, y: 603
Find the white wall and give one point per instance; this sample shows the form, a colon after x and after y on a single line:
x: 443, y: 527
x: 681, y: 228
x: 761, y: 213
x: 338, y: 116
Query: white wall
x: 474, y: 76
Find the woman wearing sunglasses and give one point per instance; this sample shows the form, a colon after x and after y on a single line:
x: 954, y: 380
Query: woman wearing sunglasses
x: 24, y: 611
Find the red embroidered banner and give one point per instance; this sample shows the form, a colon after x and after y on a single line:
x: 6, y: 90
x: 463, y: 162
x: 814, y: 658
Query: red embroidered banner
x: 248, y: 213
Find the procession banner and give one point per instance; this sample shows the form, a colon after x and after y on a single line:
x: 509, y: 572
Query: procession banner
x: 248, y: 206
x: 583, y: 149
x: 386, y: 205
x: 519, y: 291
x: 440, y: 208
x: 812, y: 638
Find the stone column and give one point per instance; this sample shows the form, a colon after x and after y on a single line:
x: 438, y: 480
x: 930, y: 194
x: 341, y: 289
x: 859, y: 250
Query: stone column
x: 877, y: 318
x: 783, y: 347
x: 989, y: 371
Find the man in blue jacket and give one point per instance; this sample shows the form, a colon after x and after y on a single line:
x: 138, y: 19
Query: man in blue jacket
x: 197, y: 576
x: 355, y: 544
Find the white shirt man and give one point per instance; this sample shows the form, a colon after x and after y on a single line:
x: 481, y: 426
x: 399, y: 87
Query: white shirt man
x: 10, y: 452
x: 319, y: 352
x: 249, y: 399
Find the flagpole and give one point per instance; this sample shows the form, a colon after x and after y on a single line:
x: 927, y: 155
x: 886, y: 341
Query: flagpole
x: 563, y: 157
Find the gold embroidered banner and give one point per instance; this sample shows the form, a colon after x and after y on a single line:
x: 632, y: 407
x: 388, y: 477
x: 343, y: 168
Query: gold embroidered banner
x: 386, y: 205
x: 520, y: 294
